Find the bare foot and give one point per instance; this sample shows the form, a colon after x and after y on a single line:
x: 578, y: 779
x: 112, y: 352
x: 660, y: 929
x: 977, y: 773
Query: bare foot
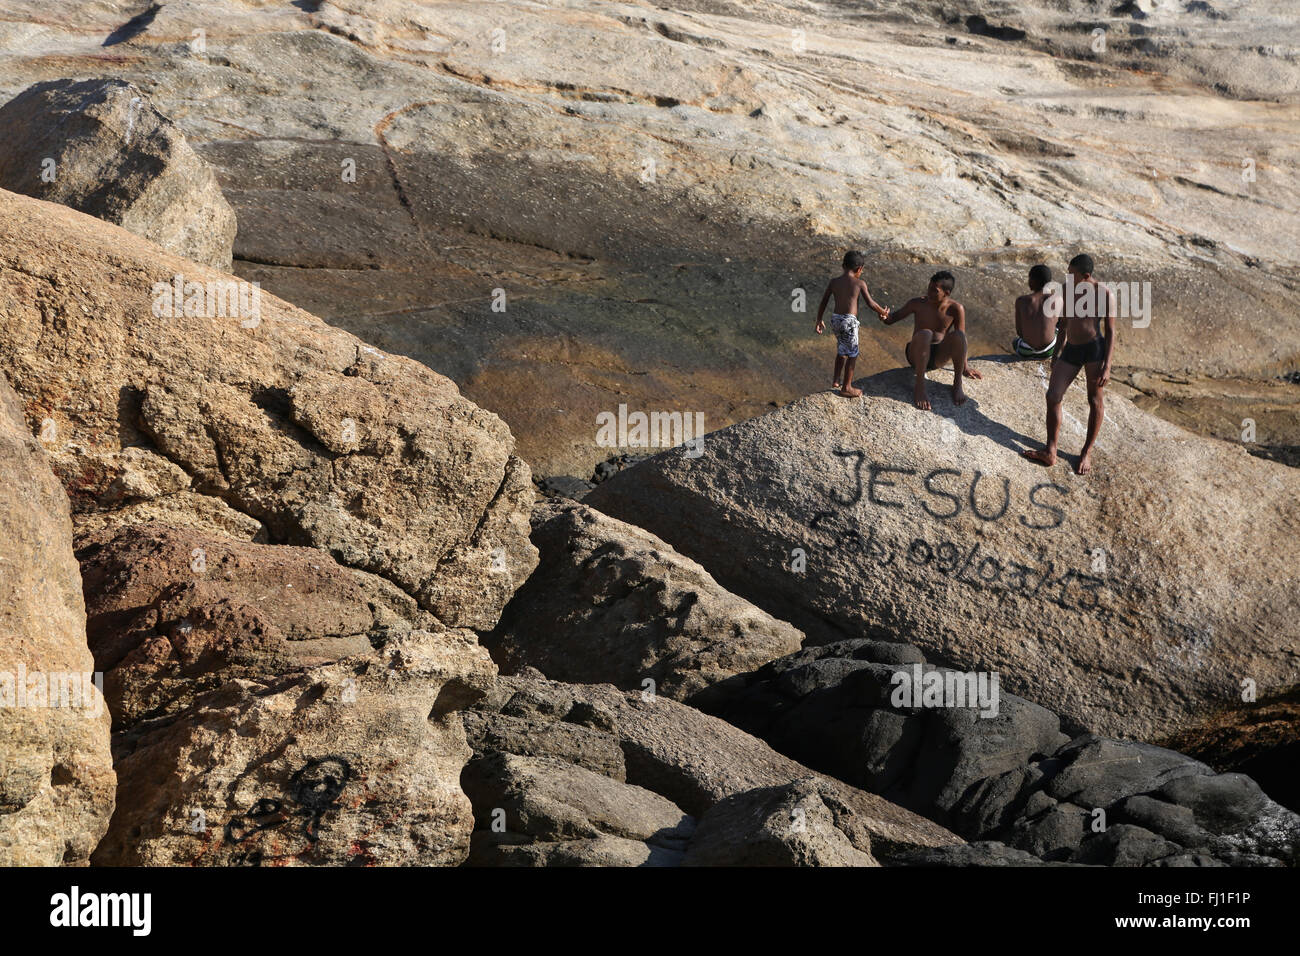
x: 958, y: 393
x: 835, y: 386
x: 919, y: 397
x: 1041, y: 455
x: 1085, y: 464
x: 848, y: 391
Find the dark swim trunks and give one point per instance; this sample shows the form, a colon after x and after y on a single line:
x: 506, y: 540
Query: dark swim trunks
x: 1085, y: 354
x: 934, y: 348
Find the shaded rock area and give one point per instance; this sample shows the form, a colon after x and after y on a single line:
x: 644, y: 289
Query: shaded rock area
x: 100, y: 147
x: 650, y: 216
x: 1260, y: 740
x: 1134, y: 601
x: 56, y: 775
x: 587, y: 775
x: 610, y: 603
x: 1004, y: 774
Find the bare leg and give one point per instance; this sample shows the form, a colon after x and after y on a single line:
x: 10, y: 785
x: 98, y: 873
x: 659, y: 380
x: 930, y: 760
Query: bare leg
x: 1063, y: 374
x: 918, y: 352
x: 1096, y: 413
x: 953, y: 348
x: 839, y: 371
x: 848, y: 391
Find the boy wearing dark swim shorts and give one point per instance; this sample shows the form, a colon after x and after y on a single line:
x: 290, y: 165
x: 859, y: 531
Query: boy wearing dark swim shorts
x: 844, y: 321
x: 1080, y: 344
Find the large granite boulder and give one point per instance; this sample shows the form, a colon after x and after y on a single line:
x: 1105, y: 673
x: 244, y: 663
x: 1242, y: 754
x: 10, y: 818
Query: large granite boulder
x: 313, y: 437
x: 101, y: 147
x: 610, y: 603
x: 1133, y: 601
x: 56, y: 774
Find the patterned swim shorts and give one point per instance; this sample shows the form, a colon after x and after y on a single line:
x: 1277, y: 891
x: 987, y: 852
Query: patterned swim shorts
x: 845, y: 328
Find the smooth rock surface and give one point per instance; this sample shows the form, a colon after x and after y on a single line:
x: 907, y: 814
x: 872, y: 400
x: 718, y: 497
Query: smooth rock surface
x: 1133, y: 601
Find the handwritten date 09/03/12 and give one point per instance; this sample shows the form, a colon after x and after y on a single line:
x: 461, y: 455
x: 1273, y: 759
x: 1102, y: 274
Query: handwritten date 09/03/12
x: 971, y: 564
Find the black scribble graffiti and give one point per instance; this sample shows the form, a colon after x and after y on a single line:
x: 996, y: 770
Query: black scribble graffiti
x: 313, y: 790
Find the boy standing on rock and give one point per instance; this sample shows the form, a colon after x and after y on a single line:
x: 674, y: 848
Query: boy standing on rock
x: 1080, y: 344
x: 844, y: 321
x: 939, y: 337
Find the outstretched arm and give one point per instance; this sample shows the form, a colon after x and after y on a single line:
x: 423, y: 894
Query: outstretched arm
x: 871, y: 303
x: 907, y: 309
x: 820, y: 327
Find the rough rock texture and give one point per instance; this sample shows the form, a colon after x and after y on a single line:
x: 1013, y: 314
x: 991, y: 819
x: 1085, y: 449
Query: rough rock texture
x: 56, y: 775
x: 792, y: 825
x: 300, y: 428
x: 1004, y: 774
x: 117, y: 158
x: 587, y: 775
x: 610, y: 603
x: 352, y: 763
x: 714, y: 157
x: 1261, y: 740
x: 1133, y: 601
x: 173, y: 613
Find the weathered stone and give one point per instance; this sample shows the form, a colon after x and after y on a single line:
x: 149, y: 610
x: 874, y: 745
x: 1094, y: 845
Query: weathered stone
x: 1128, y: 601
x: 173, y: 613
x: 117, y: 158
x: 610, y: 603
x: 325, y: 441
x: 56, y: 774
x: 774, y: 826
x: 571, y: 733
x: 357, y: 762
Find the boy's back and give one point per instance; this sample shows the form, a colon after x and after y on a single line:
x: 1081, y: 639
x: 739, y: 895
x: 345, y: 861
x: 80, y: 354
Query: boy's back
x: 846, y: 289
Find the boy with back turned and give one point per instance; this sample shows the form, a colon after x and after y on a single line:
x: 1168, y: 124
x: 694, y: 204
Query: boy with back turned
x: 846, y: 288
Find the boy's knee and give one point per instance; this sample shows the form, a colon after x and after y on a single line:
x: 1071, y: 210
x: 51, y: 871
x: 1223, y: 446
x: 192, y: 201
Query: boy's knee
x: 1055, y: 398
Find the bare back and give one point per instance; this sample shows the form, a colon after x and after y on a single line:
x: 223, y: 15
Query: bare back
x: 846, y: 289
x: 1092, y: 305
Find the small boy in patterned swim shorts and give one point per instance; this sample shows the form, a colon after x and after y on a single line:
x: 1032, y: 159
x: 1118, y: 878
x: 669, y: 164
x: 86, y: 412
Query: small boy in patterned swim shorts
x: 844, y: 321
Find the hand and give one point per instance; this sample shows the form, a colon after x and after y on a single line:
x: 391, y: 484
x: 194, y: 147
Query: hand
x: 1104, y: 380
x: 820, y: 327
x: 884, y: 316
x: 971, y: 373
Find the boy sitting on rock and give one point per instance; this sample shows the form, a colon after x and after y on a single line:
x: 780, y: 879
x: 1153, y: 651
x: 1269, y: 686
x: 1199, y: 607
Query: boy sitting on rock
x: 1035, y: 321
x: 939, y: 337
